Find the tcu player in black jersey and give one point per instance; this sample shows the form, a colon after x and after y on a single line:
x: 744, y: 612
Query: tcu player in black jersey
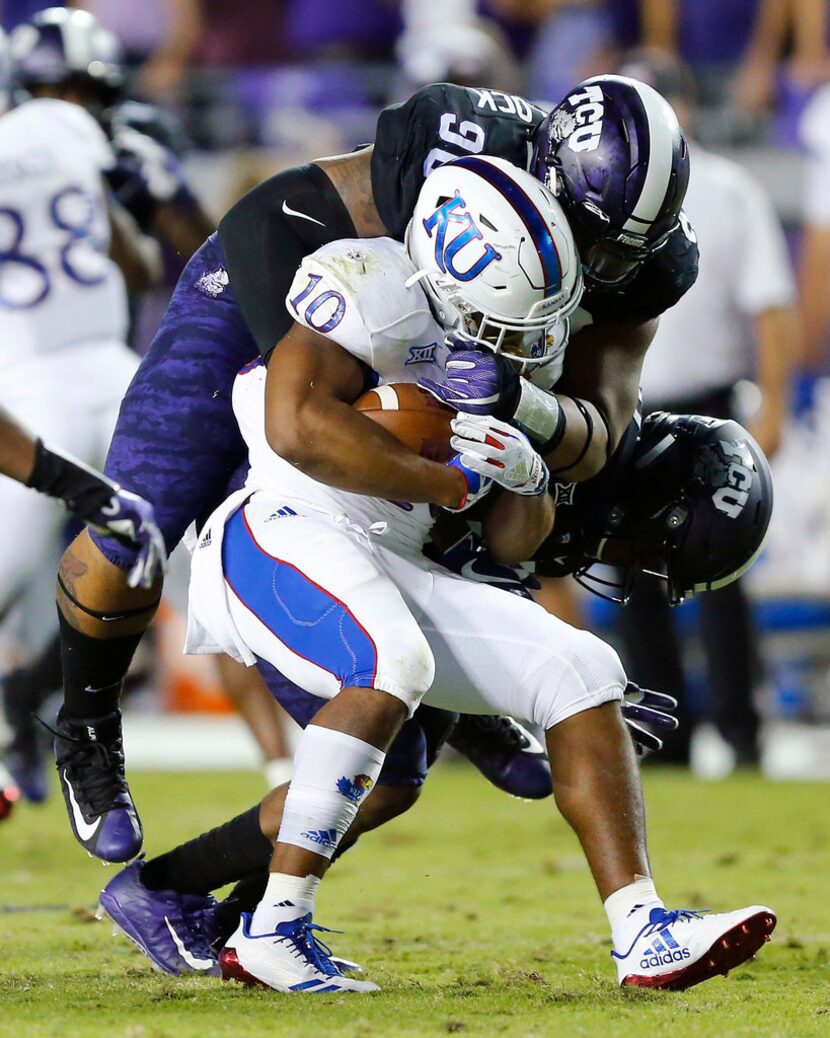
x: 615, y: 154
x: 93, y: 499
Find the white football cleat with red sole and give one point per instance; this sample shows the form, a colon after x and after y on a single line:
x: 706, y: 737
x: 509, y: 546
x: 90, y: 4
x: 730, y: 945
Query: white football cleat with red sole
x: 290, y: 959
x: 676, y: 950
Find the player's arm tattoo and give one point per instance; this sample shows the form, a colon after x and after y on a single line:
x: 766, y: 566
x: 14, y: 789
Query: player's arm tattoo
x: 351, y: 176
x: 583, y: 441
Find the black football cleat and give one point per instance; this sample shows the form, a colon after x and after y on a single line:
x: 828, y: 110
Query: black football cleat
x: 505, y: 753
x: 90, y: 760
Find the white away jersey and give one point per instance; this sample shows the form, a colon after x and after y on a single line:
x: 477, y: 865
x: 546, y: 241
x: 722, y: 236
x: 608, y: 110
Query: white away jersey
x: 354, y: 292
x: 58, y: 286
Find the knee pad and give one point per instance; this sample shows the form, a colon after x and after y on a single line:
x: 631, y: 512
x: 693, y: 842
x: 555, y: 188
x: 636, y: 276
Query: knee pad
x: 588, y: 674
x: 405, y: 665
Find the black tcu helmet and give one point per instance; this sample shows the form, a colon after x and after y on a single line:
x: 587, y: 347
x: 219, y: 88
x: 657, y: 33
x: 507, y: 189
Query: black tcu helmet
x: 616, y: 158
x: 690, y: 504
x: 60, y: 46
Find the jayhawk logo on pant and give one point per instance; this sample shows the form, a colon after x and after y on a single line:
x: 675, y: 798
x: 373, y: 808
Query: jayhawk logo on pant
x: 354, y: 789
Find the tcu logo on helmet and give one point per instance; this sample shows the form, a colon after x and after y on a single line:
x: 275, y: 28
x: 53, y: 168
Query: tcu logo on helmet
x: 451, y: 212
x: 583, y: 126
x: 727, y: 468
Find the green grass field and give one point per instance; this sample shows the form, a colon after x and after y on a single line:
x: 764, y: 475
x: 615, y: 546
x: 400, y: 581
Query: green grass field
x: 475, y: 913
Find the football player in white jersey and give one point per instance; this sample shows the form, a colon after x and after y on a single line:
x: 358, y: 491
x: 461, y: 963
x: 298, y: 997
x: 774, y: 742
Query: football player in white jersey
x: 316, y: 567
x: 64, y: 364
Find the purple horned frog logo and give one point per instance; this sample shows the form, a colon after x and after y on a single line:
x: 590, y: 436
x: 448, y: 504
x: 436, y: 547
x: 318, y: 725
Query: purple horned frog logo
x: 354, y: 789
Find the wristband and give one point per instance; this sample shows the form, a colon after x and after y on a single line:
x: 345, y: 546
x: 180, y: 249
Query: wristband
x: 540, y: 416
x: 589, y: 437
x: 82, y: 489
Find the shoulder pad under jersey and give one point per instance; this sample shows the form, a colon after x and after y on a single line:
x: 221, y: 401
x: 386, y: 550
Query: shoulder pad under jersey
x: 354, y: 291
x: 48, y: 116
x: 439, y: 123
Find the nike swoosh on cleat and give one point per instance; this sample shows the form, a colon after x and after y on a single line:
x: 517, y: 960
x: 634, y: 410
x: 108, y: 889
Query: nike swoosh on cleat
x: 286, y: 208
x: 191, y: 960
x: 85, y: 830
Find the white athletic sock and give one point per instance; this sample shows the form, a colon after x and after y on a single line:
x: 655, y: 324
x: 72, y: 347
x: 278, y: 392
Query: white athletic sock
x: 285, y: 898
x: 623, y: 903
x: 333, y: 772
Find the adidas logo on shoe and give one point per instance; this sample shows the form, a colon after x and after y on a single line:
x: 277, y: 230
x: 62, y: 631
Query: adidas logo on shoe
x: 655, y: 960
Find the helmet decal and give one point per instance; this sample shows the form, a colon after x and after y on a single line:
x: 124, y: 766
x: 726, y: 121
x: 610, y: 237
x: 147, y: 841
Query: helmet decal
x: 586, y: 119
x: 537, y: 228
x: 725, y: 467
x: 445, y: 252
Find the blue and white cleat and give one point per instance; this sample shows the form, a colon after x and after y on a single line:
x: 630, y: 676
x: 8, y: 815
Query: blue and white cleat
x: 676, y: 950
x: 291, y: 959
x: 173, y: 930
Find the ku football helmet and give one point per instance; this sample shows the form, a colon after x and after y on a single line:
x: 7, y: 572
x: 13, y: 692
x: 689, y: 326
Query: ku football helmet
x: 690, y: 503
x: 614, y: 155
x: 68, y: 47
x: 497, y: 258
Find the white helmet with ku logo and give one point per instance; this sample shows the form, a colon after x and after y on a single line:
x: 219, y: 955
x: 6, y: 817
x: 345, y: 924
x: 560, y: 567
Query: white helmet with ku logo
x: 496, y: 257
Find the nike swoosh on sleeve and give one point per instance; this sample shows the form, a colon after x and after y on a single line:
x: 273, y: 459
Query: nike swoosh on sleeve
x: 286, y: 208
x: 469, y: 571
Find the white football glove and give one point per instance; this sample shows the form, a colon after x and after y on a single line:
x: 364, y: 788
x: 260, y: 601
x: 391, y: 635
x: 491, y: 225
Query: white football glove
x: 498, y: 450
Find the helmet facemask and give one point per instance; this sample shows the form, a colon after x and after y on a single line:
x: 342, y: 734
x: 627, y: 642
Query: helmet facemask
x: 634, y: 545
x: 531, y: 342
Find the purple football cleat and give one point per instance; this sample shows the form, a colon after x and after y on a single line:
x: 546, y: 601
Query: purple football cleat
x: 24, y: 755
x: 505, y: 753
x: 26, y: 766
x: 173, y: 930
x: 90, y: 760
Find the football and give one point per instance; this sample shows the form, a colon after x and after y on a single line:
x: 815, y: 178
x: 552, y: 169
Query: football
x: 412, y: 416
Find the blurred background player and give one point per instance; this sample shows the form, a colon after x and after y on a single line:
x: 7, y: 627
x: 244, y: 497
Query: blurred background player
x: 71, y: 56
x: 93, y: 499
x: 736, y: 323
x: 64, y: 362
